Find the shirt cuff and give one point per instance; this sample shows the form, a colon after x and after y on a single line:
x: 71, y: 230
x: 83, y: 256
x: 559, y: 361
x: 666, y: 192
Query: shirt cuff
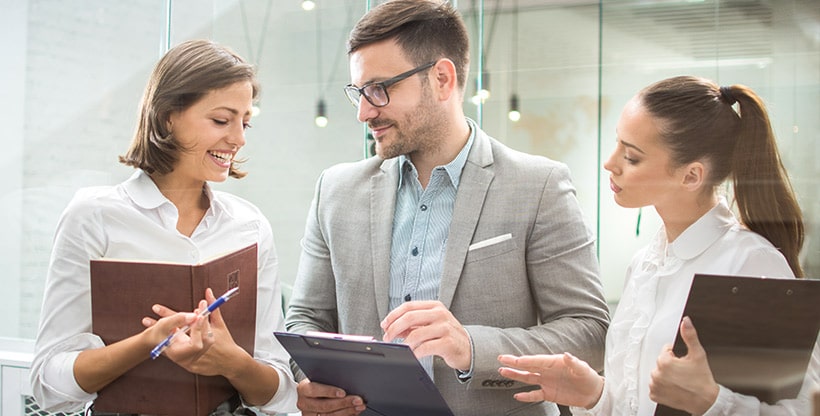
x: 284, y: 400
x: 58, y: 376
x: 465, y: 376
x: 722, y: 404
x: 594, y: 410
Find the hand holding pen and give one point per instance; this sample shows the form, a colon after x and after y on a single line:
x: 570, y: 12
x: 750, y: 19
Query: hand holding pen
x: 157, y: 351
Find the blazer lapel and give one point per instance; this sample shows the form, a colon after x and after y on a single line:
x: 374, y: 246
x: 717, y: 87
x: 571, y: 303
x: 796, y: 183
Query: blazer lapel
x: 382, y: 204
x: 472, y: 189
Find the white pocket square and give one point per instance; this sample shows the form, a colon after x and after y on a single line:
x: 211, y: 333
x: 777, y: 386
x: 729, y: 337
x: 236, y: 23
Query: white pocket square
x: 490, y: 241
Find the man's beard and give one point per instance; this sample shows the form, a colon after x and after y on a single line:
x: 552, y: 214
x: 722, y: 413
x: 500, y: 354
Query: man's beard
x: 420, y: 130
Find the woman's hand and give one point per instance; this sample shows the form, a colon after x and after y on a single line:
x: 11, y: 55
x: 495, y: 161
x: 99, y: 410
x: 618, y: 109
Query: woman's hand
x: 563, y: 379
x: 224, y: 355
x: 686, y: 382
x: 196, y: 350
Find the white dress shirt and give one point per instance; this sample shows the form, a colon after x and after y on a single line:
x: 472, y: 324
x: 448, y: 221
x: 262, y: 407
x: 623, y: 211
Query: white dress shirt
x: 133, y: 220
x: 655, y: 292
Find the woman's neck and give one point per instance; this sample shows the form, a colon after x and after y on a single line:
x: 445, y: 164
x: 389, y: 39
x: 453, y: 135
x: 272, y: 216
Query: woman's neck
x: 188, y: 197
x: 181, y: 193
x: 683, y: 213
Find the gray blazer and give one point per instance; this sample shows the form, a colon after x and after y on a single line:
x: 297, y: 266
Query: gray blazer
x: 536, y: 292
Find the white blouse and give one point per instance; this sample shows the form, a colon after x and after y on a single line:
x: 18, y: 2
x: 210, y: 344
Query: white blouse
x: 134, y: 220
x: 655, y: 292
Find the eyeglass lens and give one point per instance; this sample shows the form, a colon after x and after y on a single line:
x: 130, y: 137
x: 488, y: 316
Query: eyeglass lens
x: 376, y: 93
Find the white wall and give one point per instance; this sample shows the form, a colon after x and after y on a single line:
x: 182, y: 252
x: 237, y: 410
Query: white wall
x: 14, y: 21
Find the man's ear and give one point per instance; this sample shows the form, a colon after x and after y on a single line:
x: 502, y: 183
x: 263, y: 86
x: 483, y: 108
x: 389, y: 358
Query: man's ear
x: 445, y: 78
x: 694, y: 176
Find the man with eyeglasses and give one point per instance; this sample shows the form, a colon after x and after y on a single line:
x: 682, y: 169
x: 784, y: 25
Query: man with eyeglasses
x: 447, y: 240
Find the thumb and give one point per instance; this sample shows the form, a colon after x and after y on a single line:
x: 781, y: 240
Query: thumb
x: 169, y: 324
x: 216, y: 315
x: 690, y: 336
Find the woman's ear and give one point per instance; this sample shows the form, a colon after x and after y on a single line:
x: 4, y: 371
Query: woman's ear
x: 446, y: 78
x: 169, y: 123
x: 694, y: 176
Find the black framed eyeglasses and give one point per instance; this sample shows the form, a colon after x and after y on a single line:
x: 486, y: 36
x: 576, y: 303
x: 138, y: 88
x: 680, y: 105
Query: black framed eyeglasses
x: 376, y: 92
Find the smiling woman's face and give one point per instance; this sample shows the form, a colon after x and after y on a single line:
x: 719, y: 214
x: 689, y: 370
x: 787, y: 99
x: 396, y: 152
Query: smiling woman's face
x: 211, y: 131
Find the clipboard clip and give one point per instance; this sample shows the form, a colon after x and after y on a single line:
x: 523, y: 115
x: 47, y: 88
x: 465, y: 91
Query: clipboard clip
x: 342, y: 337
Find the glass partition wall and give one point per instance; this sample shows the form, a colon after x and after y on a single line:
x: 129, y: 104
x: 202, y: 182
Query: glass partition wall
x: 773, y: 46
x: 77, y: 70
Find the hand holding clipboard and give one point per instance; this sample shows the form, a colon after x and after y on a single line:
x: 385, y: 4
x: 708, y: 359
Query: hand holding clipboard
x: 387, y: 376
x: 758, y: 333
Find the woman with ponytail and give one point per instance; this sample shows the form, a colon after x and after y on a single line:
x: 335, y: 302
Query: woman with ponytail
x: 678, y: 141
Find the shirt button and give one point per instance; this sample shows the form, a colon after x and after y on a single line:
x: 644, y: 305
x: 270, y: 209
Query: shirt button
x: 415, y: 251
x: 407, y: 298
x: 423, y: 207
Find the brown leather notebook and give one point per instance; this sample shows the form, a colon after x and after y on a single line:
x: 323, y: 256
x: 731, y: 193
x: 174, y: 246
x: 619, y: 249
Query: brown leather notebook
x: 816, y: 402
x: 758, y: 333
x: 122, y: 293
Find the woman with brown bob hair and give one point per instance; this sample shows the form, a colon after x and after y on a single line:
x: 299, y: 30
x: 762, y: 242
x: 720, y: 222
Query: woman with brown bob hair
x: 192, y: 121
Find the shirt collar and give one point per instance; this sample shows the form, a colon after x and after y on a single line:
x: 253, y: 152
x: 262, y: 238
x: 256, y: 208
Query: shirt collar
x: 704, y: 232
x: 145, y: 193
x: 453, y: 168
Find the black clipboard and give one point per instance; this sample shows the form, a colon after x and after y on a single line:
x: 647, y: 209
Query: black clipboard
x: 387, y: 376
x: 758, y: 333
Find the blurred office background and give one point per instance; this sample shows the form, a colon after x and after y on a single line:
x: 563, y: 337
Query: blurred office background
x: 73, y: 73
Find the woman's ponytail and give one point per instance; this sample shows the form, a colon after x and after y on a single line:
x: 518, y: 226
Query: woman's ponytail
x: 763, y: 192
x: 699, y: 122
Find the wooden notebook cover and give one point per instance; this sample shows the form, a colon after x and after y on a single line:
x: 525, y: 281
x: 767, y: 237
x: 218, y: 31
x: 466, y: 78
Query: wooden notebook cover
x: 122, y: 293
x: 758, y: 333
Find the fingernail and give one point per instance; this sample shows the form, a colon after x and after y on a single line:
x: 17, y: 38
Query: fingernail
x: 357, y: 402
x: 687, y: 322
x: 155, y: 308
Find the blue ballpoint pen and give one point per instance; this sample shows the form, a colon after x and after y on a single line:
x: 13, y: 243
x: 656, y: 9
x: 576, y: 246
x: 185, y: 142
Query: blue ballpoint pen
x: 157, y: 351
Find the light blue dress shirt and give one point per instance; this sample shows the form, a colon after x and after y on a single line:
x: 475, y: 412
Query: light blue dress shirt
x: 421, y: 223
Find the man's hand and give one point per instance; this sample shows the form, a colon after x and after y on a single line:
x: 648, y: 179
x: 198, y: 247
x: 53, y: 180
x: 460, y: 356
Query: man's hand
x: 320, y: 399
x: 429, y: 328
